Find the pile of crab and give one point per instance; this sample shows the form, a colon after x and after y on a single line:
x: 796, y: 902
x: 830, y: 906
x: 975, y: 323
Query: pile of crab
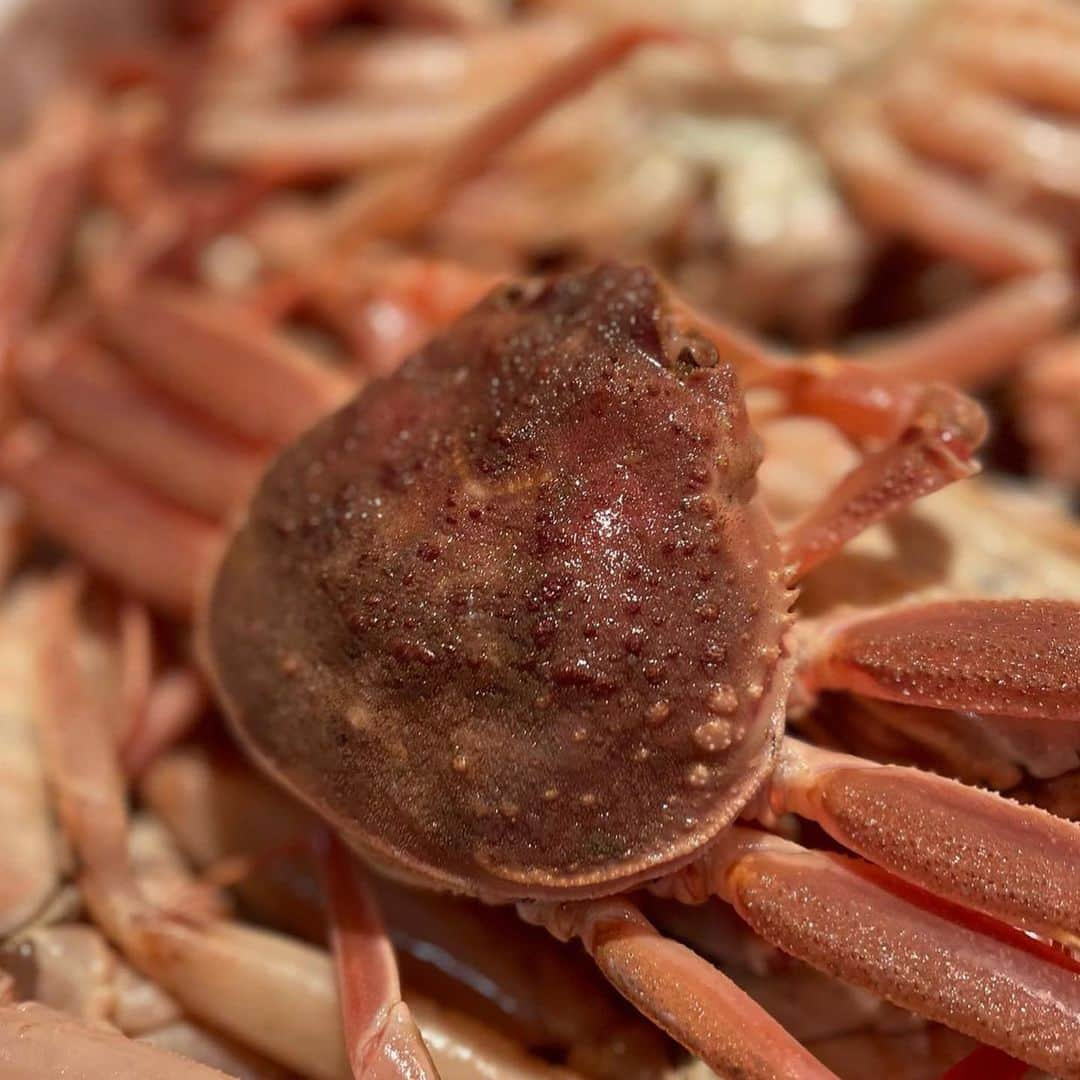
x: 437, y: 642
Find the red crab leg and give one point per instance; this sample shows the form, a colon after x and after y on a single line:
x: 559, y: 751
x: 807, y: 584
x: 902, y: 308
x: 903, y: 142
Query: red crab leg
x: 158, y: 550
x: 678, y: 990
x: 843, y: 918
x: 998, y: 657
x: 1036, y: 65
x: 40, y: 228
x: 224, y: 362
x: 381, y: 1037
x: 1016, y: 862
x: 933, y: 449
x: 407, y: 203
x: 37, y: 1042
x: 173, y: 705
x: 981, y: 340
x: 897, y: 193
x: 982, y: 131
x: 91, y: 397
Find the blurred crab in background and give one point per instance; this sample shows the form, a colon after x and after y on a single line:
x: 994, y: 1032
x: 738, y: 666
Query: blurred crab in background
x: 246, y: 223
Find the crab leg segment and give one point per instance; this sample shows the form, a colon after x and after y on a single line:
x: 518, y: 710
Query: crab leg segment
x: 981, y: 340
x: 409, y: 202
x: 897, y: 193
x: 221, y: 360
x: 1016, y: 862
x: 678, y: 990
x: 37, y: 1043
x: 159, y: 550
x: 89, y: 396
x: 382, y: 1040
x: 826, y: 911
x: 1016, y: 658
x: 934, y: 449
x: 34, y: 248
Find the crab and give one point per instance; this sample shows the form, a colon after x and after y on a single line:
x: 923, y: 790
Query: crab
x: 514, y: 623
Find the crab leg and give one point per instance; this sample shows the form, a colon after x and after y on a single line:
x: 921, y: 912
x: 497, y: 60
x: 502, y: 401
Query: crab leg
x: 381, y: 1036
x: 159, y: 550
x: 1017, y: 658
x: 856, y: 923
x: 37, y: 1043
x: 90, y: 397
x: 1037, y: 66
x: 981, y: 131
x: 222, y: 361
x: 405, y: 204
x: 29, y: 860
x: 1015, y: 862
x: 897, y: 193
x: 34, y: 247
x: 981, y: 340
x: 934, y: 449
x: 175, y: 700
x: 678, y: 990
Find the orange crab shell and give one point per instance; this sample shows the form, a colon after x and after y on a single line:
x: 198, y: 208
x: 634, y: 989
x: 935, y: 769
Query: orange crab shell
x: 512, y: 619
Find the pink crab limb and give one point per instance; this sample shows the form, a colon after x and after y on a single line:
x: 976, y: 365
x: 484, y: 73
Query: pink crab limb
x: 935, y: 449
x: 983, y: 339
x: 41, y: 228
x: 159, y: 550
x: 1016, y: 658
x: 982, y: 131
x: 679, y: 991
x: 1036, y: 65
x: 408, y: 203
x: 213, y: 356
x: 897, y: 193
x: 38, y: 1043
x: 1015, y: 862
x: 91, y: 397
x: 381, y: 1037
x: 136, y: 668
x: 847, y: 920
x: 173, y: 704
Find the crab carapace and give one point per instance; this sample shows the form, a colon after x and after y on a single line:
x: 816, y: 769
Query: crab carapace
x: 512, y: 618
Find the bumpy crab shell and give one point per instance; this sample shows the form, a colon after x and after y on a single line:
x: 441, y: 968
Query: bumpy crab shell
x: 511, y: 619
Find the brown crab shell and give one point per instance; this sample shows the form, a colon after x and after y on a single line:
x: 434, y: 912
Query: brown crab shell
x: 512, y: 619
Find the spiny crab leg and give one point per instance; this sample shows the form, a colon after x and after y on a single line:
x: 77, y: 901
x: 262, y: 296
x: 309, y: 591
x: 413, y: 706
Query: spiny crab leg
x: 846, y: 919
x: 1015, y: 862
x: 934, y: 448
x: 682, y: 993
x: 381, y: 1037
x: 1016, y: 658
